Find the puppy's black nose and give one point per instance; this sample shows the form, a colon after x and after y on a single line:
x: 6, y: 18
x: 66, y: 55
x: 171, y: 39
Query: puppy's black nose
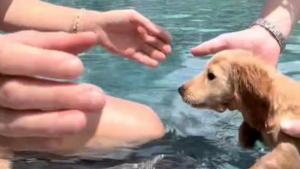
x: 181, y: 90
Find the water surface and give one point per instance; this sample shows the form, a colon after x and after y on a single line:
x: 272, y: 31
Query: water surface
x: 195, y: 139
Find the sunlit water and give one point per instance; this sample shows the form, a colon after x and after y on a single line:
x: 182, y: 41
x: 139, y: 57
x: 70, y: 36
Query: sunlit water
x: 195, y: 139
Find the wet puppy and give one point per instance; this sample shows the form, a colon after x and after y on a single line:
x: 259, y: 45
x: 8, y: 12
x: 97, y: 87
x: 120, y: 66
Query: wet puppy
x: 238, y: 80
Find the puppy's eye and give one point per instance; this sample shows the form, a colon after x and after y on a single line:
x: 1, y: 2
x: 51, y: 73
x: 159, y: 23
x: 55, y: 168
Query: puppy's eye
x: 210, y: 76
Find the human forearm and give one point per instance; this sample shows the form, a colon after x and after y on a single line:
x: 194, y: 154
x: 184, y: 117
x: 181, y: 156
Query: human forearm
x: 34, y: 14
x: 282, y: 13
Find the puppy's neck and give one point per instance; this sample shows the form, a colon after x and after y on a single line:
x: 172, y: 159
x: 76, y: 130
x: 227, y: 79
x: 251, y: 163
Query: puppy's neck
x: 257, y: 114
x: 254, y: 92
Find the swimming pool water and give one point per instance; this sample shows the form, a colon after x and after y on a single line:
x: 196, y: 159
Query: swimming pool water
x: 195, y: 139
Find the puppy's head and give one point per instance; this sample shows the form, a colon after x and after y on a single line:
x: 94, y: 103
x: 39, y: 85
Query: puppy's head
x: 229, y: 74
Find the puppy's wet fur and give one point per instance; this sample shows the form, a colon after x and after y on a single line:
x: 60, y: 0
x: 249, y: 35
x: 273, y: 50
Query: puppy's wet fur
x: 238, y: 80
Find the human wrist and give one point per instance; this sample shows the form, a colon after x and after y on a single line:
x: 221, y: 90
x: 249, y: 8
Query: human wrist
x: 89, y: 20
x: 272, y: 30
x: 265, y: 37
x: 284, y: 26
x: 276, y: 12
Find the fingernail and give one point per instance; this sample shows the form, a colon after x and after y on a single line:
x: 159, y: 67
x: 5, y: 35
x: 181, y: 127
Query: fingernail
x: 192, y: 49
x: 167, y: 49
x: 286, y: 124
x: 73, y: 68
x: 90, y: 98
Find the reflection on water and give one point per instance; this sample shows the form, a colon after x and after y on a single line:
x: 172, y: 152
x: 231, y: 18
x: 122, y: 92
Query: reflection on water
x: 196, y: 139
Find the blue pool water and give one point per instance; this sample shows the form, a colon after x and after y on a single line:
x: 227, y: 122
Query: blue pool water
x: 195, y: 139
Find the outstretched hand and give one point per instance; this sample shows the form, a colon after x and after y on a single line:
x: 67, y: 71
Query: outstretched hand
x: 129, y: 34
x: 256, y: 39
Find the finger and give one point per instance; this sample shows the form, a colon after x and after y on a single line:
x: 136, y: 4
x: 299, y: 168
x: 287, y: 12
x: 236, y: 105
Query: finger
x: 210, y: 47
x: 153, y: 53
x: 28, y: 93
x: 291, y: 127
x: 19, y: 59
x: 143, y: 59
x: 32, y: 144
x: 29, y: 144
x: 163, y: 35
x: 70, y: 43
x: 36, y: 123
x: 154, y: 42
x: 153, y: 29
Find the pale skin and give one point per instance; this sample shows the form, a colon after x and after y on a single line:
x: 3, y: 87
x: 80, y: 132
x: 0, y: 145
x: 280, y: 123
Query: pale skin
x: 18, y: 16
x: 126, y: 33
x: 282, y: 13
x: 78, y: 120
x: 88, y: 118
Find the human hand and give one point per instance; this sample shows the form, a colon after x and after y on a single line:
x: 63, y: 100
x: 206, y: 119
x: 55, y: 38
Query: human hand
x: 129, y: 34
x: 35, y: 112
x: 256, y: 39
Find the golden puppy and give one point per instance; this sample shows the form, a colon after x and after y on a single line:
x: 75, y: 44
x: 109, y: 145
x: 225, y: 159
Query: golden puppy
x: 238, y: 80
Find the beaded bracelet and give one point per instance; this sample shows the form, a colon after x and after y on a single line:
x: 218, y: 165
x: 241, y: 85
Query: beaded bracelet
x: 76, y: 24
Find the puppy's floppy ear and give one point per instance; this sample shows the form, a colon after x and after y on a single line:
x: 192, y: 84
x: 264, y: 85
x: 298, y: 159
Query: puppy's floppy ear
x: 253, y: 85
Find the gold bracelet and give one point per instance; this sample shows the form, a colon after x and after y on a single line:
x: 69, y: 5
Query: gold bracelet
x: 76, y: 24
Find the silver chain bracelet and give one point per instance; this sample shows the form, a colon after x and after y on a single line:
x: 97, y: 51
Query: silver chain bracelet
x: 274, y: 32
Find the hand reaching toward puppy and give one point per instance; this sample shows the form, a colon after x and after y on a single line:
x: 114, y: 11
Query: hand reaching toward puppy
x: 129, y: 34
x: 256, y: 38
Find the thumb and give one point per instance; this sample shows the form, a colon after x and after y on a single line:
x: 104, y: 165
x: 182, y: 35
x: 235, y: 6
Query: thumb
x: 291, y: 127
x: 210, y: 47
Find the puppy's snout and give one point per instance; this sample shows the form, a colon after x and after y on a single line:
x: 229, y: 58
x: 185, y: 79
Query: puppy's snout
x: 181, y: 90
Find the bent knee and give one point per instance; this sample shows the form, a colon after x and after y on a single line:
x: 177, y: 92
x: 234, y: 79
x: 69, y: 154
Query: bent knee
x: 144, y: 127
x: 152, y: 125
x: 134, y: 122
